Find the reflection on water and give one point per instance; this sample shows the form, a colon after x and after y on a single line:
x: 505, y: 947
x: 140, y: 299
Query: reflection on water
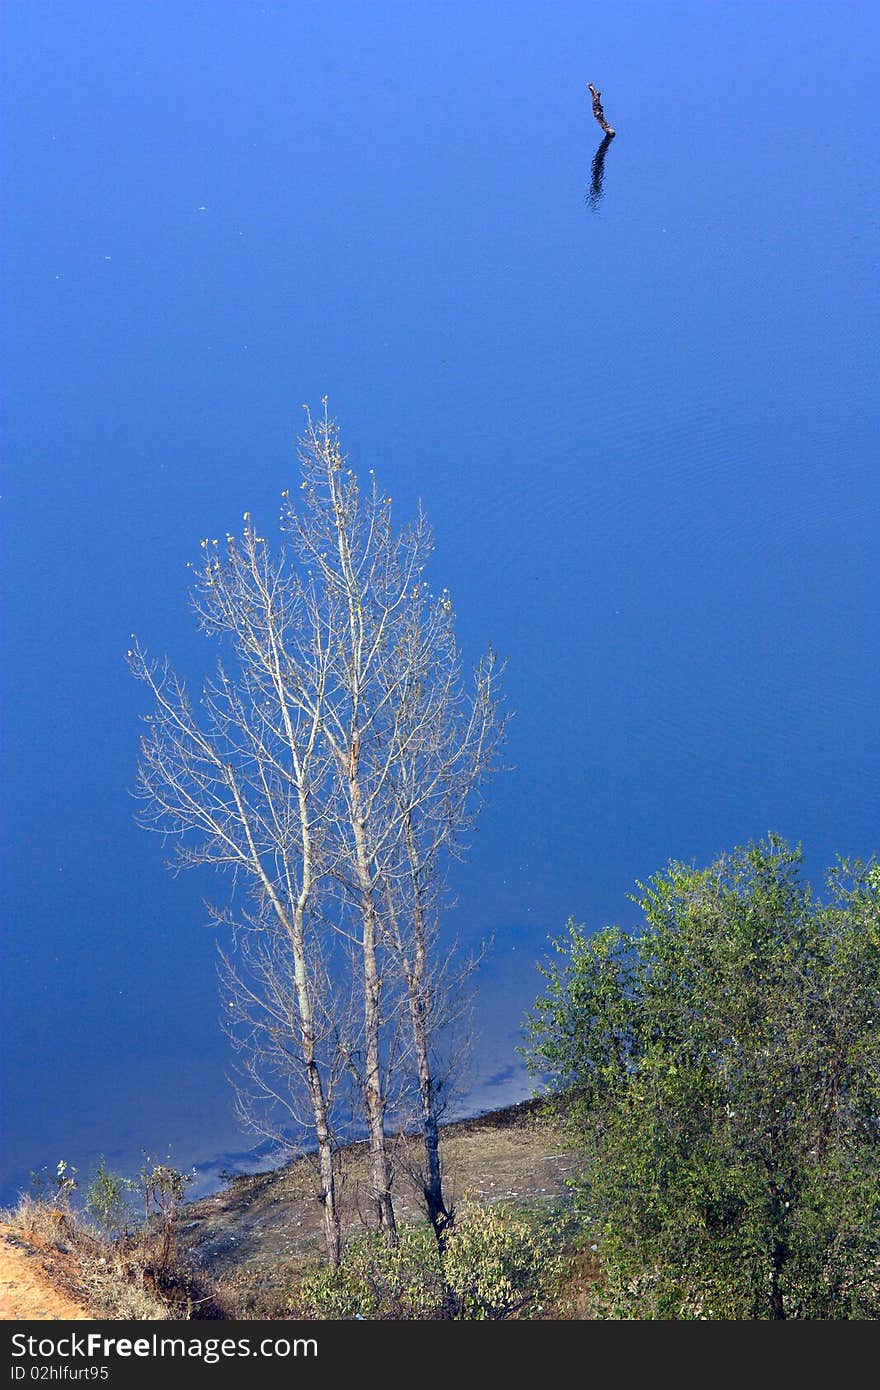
x: 597, y: 174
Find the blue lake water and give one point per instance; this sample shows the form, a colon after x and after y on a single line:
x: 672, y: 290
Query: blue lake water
x: 637, y: 396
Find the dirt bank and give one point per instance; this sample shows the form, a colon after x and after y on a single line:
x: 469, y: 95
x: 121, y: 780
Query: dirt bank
x: 28, y: 1280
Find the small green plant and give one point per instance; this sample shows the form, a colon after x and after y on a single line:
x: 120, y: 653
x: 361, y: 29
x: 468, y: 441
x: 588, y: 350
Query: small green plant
x: 162, y: 1190
x: 56, y: 1188
x: 106, y: 1201
x: 65, y: 1183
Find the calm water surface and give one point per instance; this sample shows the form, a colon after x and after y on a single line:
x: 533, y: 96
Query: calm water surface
x: 634, y: 384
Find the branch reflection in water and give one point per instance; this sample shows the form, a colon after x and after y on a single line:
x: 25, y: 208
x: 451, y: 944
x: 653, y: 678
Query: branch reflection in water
x: 597, y: 175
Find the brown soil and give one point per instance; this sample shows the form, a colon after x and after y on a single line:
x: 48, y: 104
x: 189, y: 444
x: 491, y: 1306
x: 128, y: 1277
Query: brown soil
x: 269, y: 1224
x: 28, y: 1279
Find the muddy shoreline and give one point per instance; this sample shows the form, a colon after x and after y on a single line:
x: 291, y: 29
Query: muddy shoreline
x: 268, y: 1225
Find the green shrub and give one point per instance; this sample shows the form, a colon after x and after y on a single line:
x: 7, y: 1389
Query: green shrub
x: 377, y: 1281
x: 720, y: 1069
x: 106, y: 1201
x: 162, y: 1189
x: 498, y: 1262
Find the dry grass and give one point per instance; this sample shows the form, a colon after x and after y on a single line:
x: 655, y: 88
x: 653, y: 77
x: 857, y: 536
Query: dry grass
x: 112, y: 1279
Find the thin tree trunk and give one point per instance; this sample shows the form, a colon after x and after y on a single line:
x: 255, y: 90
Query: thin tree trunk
x: 777, y: 1302
x: 432, y: 1186
x: 374, y: 1098
x: 320, y: 1109
x: 332, y: 1229
x: 293, y: 926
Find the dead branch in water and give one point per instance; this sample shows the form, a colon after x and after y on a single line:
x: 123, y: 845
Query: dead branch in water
x: 598, y: 112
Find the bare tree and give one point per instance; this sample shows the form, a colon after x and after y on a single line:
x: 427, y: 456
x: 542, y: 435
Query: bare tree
x: 414, y: 745
x: 444, y: 738
x: 364, y: 571
x: 238, y: 784
x: 337, y: 768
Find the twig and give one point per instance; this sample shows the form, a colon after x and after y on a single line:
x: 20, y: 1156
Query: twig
x: 598, y: 112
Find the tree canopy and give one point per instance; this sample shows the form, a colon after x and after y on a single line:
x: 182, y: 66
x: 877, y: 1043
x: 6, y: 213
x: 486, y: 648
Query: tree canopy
x: 720, y: 1068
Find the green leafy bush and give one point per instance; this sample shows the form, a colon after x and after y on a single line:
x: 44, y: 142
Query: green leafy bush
x: 498, y: 1262
x: 106, y: 1200
x: 377, y: 1280
x: 721, y: 1073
